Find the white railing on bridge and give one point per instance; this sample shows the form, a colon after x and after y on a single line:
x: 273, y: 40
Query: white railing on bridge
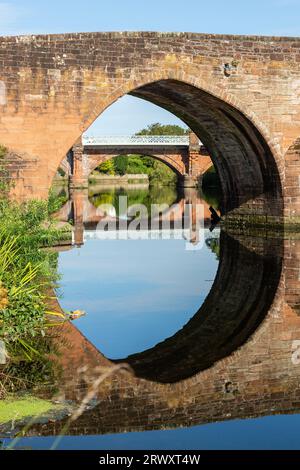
x: 136, y: 140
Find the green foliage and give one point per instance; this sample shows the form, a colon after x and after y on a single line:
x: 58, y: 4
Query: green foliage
x: 31, y: 364
x: 13, y: 409
x: 120, y: 164
x: 107, y: 167
x: 214, y: 245
x: 56, y: 201
x: 162, y: 175
x: 154, y: 195
x: 163, y: 129
x: 158, y: 172
x: 27, y: 271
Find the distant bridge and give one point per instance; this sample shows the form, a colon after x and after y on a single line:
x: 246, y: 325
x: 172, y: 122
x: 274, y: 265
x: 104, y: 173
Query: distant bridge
x: 184, y: 154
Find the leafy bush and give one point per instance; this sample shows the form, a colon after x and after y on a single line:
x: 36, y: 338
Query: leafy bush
x: 27, y: 271
x: 163, y: 129
x: 107, y: 167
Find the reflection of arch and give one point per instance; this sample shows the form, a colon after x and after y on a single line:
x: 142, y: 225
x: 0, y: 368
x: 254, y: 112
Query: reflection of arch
x: 239, y: 386
x: 240, y: 298
x: 177, y: 163
x: 242, y: 293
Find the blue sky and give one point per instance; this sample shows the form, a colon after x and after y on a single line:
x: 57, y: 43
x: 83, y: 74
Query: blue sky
x: 274, y: 17
x: 262, y: 17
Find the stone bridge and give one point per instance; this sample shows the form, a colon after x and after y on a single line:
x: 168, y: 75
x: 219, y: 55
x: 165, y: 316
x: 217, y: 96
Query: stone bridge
x: 237, y: 357
x: 185, y: 155
x: 239, y: 94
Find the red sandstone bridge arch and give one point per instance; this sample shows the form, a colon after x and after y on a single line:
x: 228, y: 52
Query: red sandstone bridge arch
x: 62, y: 91
x: 248, y: 169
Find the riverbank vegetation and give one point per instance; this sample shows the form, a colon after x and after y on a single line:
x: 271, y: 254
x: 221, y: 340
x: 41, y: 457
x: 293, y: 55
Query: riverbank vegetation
x: 157, y: 172
x: 28, y: 274
x: 147, y: 197
x: 12, y: 409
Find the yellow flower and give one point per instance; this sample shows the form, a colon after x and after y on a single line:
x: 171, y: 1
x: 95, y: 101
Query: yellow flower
x: 3, y: 297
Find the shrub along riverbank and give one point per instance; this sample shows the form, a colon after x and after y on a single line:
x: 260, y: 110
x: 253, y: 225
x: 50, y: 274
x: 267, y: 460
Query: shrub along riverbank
x: 28, y: 273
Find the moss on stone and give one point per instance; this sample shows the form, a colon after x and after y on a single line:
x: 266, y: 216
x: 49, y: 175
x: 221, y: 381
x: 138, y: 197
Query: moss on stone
x: 17, y: 409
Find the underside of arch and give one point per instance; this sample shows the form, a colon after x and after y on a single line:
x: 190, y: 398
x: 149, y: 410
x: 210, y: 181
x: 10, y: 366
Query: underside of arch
x: 245, y: 164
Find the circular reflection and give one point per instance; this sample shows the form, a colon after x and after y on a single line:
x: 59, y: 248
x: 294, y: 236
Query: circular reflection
x: 139, y: 292
x: 136, y: 292
x: 241, y: 295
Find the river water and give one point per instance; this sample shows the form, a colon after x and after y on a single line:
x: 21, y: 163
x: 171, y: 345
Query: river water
x: 192, y: 329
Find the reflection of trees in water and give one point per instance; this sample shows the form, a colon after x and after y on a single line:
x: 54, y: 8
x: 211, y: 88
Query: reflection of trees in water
x: 153, y: 195
x: 214, y: 245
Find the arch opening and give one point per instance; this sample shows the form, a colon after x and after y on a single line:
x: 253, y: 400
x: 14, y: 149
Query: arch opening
x: 248, y: 170
x: 245, y: 164
x: 236, y: 305
x: 177, y: 166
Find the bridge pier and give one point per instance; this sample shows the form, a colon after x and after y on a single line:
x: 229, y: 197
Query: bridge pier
x: 78, y: 198
x: 79, y: 177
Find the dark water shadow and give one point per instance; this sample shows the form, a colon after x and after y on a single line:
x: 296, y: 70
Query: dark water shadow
x: 239, y: 300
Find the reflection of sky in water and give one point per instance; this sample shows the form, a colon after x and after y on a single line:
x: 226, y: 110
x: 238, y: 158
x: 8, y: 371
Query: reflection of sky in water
x: 271, y: 432
x: 135, y: 293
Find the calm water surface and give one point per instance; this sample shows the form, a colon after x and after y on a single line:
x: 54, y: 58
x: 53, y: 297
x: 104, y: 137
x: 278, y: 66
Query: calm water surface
x: 208, y: 333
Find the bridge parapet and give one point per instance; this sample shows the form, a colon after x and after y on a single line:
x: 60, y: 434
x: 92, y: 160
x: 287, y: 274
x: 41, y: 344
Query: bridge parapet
x: 139, y: 140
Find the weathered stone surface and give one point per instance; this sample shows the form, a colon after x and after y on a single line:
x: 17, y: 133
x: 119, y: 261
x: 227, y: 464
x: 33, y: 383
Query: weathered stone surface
x: 240, y: 95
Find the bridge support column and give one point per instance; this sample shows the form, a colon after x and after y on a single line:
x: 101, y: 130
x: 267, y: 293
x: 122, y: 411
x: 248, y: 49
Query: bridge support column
x: 198, y: 163
x: 78, y: 199
x: 79, y: 177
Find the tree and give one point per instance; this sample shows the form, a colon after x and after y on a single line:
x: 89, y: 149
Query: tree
x: 158, y: 172
x: 106, y: 167
x: 163, y: 129
x: 120, y: 164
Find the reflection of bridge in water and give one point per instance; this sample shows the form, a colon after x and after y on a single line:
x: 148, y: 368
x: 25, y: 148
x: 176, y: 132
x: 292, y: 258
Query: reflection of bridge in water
x: 236, y: 358
x: 184, y: 219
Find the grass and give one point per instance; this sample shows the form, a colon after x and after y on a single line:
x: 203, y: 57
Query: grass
x: 28, y: 274
x: 18, y: 409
